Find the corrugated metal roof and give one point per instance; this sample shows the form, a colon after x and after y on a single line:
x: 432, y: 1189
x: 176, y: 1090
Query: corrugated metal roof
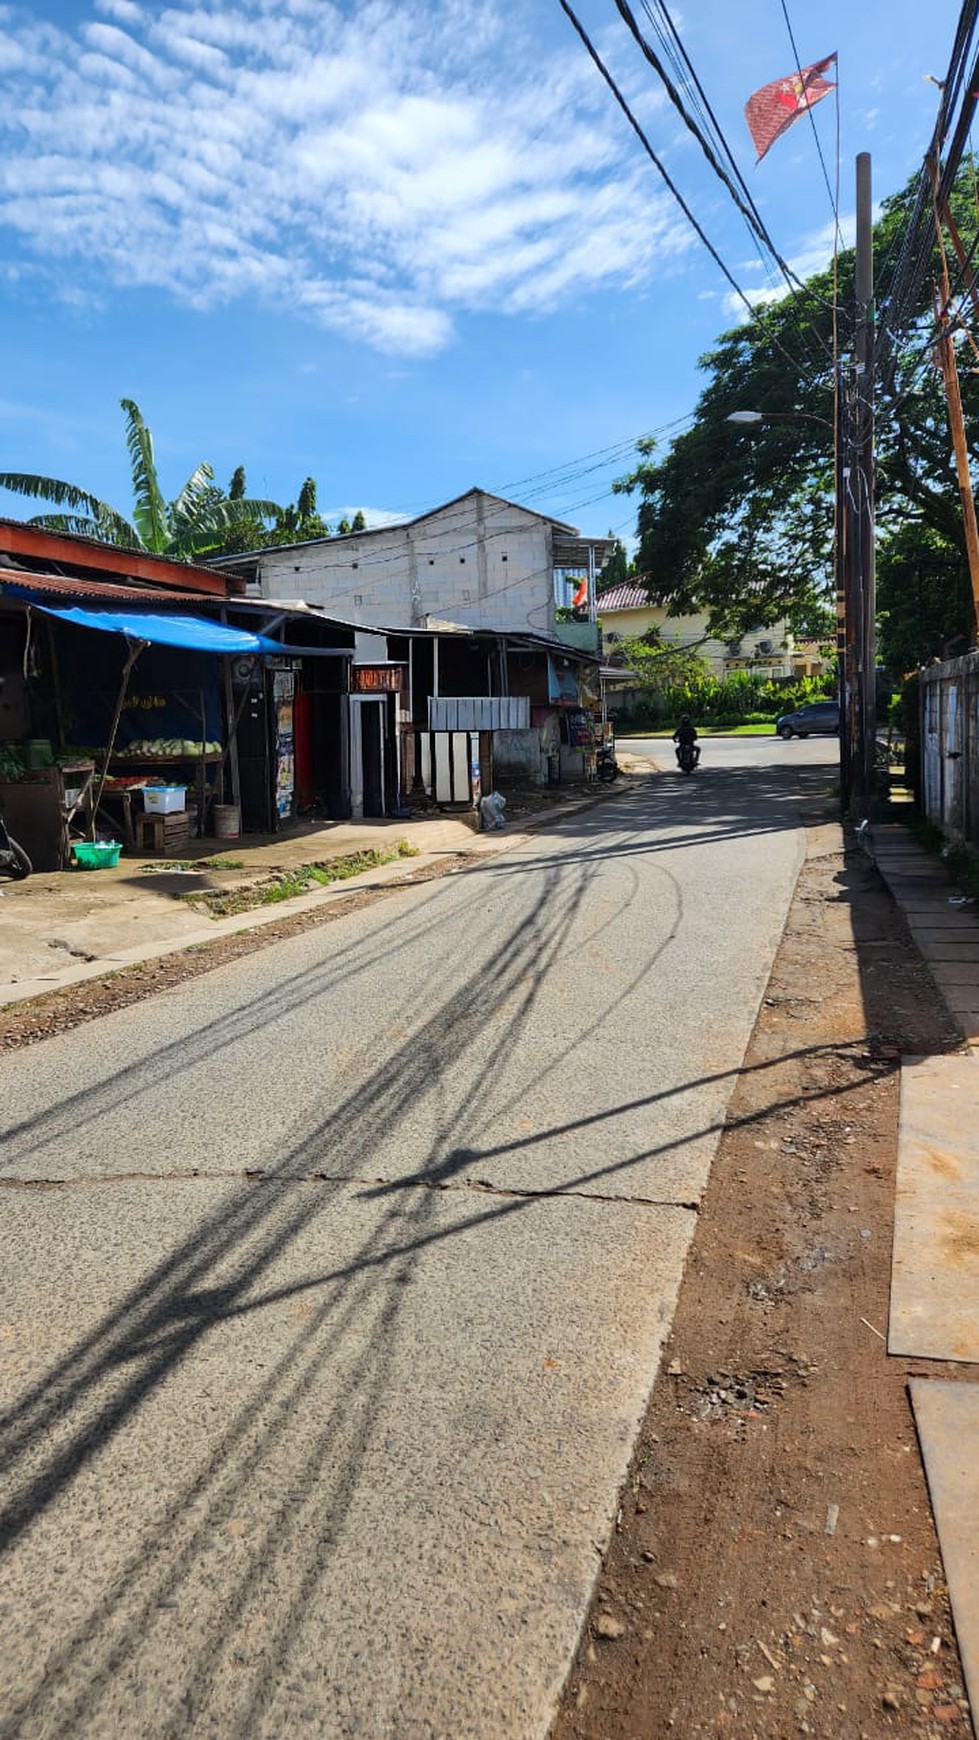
x: 627, y: 596
x: 102, y: 591
x: 36, y: 543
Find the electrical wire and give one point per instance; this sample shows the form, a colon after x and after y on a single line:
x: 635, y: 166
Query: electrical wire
x: 651, y: 154
x: 717, y: 146
x: 900, y: 298
x: 801, y: 364
x: 834, y: 203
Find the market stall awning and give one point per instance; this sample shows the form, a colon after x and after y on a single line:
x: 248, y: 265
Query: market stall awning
x: 195, y: 632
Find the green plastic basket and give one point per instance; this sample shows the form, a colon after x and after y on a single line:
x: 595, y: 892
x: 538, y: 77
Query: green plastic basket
x: 96, y: 854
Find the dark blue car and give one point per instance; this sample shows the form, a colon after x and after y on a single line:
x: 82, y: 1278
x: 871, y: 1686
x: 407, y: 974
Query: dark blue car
x: 808, y: 721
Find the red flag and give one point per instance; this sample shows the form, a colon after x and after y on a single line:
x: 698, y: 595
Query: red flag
x: 772, y: 110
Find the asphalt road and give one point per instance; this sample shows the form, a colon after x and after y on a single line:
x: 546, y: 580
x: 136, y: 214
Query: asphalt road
x: 334, y: 1281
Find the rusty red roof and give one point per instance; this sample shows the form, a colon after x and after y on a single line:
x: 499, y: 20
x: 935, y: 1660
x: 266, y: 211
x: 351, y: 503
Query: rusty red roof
x: 95, y: 591
x: 19, y: 538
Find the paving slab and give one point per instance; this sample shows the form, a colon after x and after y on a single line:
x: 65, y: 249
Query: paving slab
x: 947, y: 1417
x: 934, y: 1310
x: 311, y: 1458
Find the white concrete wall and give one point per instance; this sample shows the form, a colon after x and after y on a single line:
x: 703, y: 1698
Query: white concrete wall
x: 479, y: 561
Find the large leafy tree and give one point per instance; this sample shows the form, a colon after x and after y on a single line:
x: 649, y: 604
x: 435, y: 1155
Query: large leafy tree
x: 740, y: 520
x: 196, y: 523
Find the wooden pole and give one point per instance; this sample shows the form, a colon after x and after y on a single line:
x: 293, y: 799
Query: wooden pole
x: 953, y: 396
x: 946, y: 354
x: 134, y: 650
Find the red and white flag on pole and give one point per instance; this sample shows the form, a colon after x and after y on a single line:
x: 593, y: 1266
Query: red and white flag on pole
x: 771, y: 111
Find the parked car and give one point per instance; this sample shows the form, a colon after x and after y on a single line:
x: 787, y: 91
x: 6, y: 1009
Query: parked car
x: 814, y: 717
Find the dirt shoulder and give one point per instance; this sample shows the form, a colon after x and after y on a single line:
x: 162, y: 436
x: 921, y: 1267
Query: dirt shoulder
x: 775, y: 1569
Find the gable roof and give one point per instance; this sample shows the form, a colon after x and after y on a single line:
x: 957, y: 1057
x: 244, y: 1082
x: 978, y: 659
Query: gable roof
x: 340, y: 538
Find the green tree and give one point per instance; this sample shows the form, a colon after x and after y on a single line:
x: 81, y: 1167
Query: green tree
x: 299, y: 522
x: 740, y: 521
x: 193, y: 525
x: 616, y: 569
x: 924, y: 599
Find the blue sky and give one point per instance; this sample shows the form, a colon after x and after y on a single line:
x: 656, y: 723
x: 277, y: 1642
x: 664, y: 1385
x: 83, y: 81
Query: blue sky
x: 403, y: 247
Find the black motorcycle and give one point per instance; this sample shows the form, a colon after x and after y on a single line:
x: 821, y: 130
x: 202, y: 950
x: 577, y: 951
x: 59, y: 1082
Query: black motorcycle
x: 687, y: 757
x: 13, y: 859
x: 606, y: 765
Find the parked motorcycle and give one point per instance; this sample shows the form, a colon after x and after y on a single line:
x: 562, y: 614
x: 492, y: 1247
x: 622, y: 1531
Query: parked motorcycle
x: 606, y: 765
x: 687, y: 757
x: 13, y: 859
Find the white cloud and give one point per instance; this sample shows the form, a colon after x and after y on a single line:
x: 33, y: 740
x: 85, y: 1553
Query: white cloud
x: 812, y: 253
x: 384, y: 166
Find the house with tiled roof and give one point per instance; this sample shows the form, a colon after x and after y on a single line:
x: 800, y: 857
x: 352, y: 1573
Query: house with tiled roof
x: 626, y: 612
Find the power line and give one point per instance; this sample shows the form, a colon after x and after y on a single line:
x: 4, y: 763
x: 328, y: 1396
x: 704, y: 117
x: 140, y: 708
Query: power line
x: 796, y: 361
x: 739, y: 194
x: 651, y: 154
x: 812, y: 121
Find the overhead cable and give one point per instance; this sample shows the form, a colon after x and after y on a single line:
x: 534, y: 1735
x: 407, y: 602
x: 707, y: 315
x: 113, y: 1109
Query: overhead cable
x: 651, y: 154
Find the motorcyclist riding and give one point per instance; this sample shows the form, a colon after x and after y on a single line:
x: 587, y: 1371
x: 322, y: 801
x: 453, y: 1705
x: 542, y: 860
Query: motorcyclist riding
x: 686, y: 733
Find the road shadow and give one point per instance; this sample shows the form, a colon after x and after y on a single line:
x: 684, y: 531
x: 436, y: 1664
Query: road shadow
x: 352, y: 1333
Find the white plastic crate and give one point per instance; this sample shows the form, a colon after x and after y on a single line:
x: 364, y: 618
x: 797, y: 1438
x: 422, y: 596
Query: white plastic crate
x: 164, y: 799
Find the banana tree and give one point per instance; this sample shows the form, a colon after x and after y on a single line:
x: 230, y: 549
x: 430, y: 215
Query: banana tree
x: 195, y: 524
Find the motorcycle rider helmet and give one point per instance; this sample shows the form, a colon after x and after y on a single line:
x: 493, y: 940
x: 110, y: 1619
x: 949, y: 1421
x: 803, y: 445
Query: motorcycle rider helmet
x: 684, y: 718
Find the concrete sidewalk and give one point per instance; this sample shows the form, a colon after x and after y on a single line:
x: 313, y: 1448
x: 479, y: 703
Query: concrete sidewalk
x: 934, y: 1308
x: 62, y: 928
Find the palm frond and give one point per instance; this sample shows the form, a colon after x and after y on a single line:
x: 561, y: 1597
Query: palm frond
x: 75, y: 524
x: 53, y: 490
x: 187, y: 505
x: 253, y: 510
x: 150, y: 511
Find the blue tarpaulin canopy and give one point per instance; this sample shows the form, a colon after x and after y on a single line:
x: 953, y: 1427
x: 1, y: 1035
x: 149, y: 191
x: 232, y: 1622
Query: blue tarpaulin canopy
x: 196, y: 632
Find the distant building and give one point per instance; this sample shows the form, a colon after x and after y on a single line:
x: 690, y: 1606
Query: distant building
x: 625, y: 613
x: 478, y: 561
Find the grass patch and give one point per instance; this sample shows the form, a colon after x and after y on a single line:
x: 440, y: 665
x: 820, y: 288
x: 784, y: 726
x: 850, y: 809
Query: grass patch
x: 287, y: 884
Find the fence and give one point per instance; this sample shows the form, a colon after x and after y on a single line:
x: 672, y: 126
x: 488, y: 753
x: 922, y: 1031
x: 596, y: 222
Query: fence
x: 950, y: 746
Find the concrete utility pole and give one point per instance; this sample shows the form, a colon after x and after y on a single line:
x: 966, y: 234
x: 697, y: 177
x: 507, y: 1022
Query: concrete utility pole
x: 858, y: 529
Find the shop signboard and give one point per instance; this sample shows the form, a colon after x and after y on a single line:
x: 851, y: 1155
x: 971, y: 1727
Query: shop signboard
x: 377, y: 679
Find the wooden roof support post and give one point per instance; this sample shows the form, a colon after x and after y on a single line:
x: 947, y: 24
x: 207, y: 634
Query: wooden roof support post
x: 133, y: 650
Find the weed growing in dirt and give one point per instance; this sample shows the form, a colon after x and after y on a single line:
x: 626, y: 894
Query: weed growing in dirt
x: 286, y: 884
x: 185, y: 864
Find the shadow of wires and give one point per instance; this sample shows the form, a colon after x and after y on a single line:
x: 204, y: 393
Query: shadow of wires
x: 148, y: 1387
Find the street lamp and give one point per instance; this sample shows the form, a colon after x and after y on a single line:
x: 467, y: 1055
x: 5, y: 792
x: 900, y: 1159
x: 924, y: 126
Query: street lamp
x: 752, y: 419
x: 847, y: 613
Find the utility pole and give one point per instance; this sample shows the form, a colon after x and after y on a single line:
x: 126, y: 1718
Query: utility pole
x: 860, y: 722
